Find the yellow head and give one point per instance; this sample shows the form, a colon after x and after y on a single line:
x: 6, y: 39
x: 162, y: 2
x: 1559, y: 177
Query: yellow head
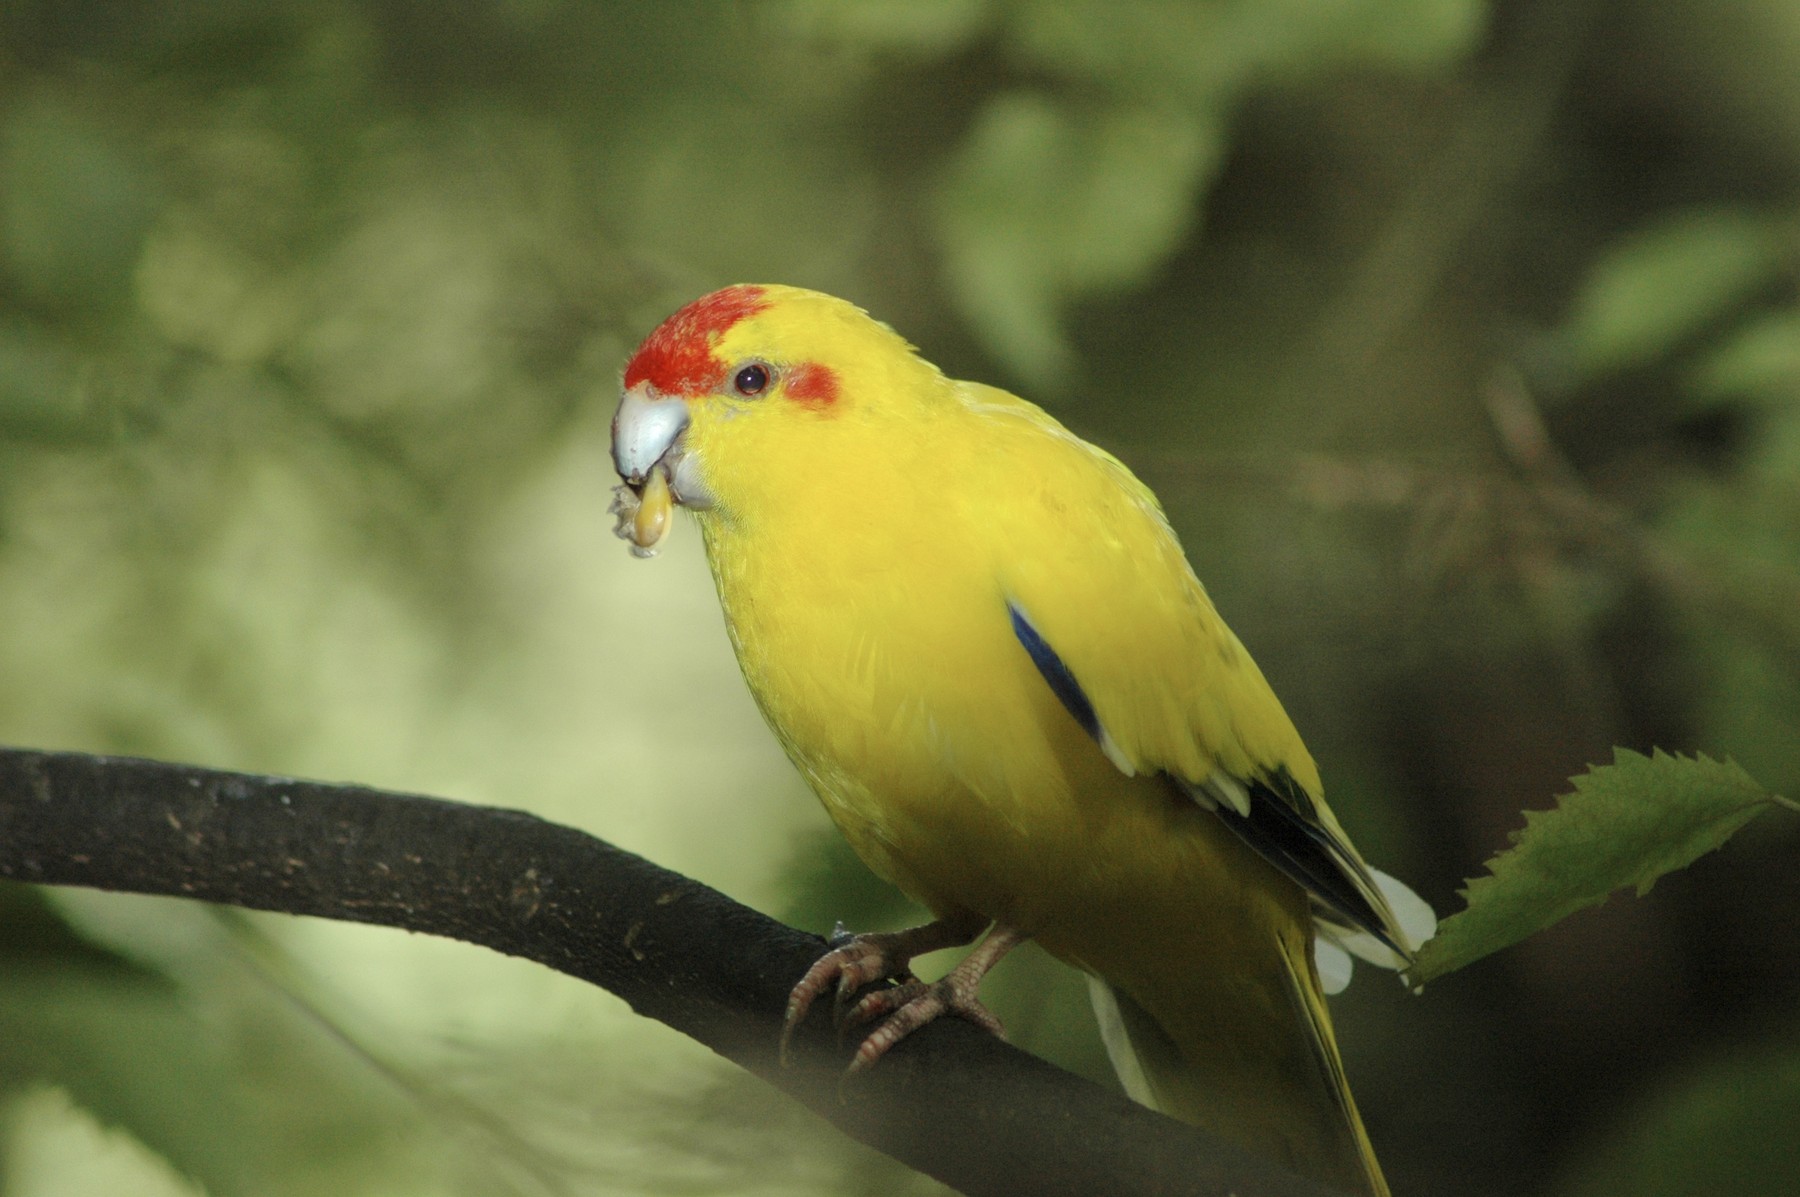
x: 743, y: 389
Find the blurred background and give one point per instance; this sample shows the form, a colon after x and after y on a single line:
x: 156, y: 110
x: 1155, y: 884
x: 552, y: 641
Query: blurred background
x: 1461, y: 339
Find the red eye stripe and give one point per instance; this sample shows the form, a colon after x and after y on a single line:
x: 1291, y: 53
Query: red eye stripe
x: 677, y: 358
x: 812, y: 385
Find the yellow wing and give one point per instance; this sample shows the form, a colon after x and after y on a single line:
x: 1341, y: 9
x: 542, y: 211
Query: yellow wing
x: 1125, y: 634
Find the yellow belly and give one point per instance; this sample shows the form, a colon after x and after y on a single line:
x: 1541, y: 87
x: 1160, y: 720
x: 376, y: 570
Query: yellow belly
x: 956, y: 774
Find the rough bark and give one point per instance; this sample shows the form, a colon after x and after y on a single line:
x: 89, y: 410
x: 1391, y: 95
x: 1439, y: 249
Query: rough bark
x: 951, y: 1101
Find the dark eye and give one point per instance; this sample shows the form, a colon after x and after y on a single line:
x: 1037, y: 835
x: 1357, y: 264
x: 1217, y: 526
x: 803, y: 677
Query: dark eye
x: 752, y: 379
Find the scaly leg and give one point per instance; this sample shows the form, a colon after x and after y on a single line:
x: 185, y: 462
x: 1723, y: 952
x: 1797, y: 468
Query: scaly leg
x: 908, y: 1006
x: 915, y: 1003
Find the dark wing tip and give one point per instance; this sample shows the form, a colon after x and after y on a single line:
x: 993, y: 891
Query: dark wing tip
x: 1278, y: 829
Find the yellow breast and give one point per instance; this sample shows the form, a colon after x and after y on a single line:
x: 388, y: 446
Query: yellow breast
x: 867, y: 598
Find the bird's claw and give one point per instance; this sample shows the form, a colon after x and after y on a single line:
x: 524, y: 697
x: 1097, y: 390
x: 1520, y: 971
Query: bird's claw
x: 854, y: 962
x: 897, y: 1008
x: 879, y: 1003
x: 905, y: 1008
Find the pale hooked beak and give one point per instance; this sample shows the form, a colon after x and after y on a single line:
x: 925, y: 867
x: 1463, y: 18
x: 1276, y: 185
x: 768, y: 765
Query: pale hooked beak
x: 646, y: 433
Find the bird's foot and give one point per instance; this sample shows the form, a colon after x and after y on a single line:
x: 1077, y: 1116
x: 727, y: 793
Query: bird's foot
x: 902, y: 1009
x: 899, y: 1009
x: 855, y: 961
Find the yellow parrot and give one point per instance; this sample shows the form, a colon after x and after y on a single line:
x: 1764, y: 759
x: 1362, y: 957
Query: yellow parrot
x: 976, y: 636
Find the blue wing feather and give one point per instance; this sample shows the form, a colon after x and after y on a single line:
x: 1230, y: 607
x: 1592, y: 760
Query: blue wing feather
x: 1062, y: 682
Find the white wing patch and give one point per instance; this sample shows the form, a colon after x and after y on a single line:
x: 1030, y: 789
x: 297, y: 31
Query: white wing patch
x: 1334, y: 963
x: 1334, y: 943
x: 1115, y: 754
x: 1223, y: 789
x: 1119, y: 1051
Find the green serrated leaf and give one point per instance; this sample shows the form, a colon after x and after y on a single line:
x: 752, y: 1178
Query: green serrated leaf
x: 1625, y: 824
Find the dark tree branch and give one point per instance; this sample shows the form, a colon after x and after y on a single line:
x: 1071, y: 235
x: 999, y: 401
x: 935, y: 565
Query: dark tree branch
x: 951, y: 1101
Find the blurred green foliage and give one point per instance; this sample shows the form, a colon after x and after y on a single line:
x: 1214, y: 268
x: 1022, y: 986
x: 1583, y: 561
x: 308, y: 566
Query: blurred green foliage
x: 1723, y: 1128
x: 1462, y: 341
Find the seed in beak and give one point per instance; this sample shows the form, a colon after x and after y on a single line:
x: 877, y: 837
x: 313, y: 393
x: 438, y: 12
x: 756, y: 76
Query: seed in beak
x: 644, y: 518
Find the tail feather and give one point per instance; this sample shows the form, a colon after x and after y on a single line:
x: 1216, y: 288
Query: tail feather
x: 1302, y: 1116
x: 1308, y: 997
